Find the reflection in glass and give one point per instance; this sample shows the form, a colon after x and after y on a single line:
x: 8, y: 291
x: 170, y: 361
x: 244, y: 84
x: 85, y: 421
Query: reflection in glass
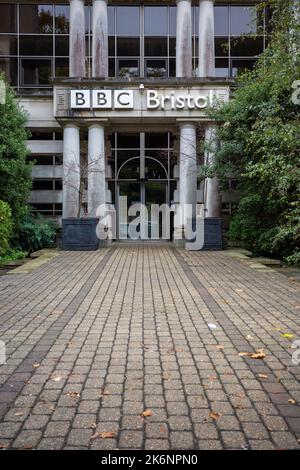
x: 221, y: 47
x: 111, y: 20
x: 243, y: 20
x: 8, y: 45
x: 128, y: 21
x: 173, y: 17
x: 9, y: 67
x: 8, y: 18
x: 238, y: 66
x: 221, y: 15
x: 36, y: 19
x: 62, y: 16
x: 35, y: 71
x: 221, y: 68
x: 128, y: 68
x: 156, y: 68
x: 246, y: 46
x: 156, y: 21
x: 62, y: 67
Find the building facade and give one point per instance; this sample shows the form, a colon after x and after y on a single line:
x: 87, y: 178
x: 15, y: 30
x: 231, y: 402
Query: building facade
x: 117, y: 94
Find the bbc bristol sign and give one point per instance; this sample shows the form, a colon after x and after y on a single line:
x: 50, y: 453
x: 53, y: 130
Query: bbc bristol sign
x: 154, y: 100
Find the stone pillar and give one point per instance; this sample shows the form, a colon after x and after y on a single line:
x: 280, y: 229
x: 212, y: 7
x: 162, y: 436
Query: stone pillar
x: 71, y: 170
x: 100, y: 39
x: 96, y: 168
x: 212, y: 196
x: 206, y: 66
x: 184, y: 39
x: 77, y: 39
x: 188, y: 169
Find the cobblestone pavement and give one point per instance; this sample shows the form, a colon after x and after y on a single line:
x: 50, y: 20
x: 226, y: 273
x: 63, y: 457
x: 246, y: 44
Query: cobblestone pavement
x: 95, y: 339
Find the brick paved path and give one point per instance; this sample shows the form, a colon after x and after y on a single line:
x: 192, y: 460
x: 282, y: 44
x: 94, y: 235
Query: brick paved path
x: 94, y: 339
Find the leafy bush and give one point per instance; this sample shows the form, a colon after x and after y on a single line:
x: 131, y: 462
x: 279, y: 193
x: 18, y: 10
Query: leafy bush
x: 36, y: 232
x: 12, y: 255
x: 6, y: 226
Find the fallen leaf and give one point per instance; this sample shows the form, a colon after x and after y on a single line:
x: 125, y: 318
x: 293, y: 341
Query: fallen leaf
x: 214, y: 415
x: 19, y: 413
x: 56, y: 379
x: 212, y: 326
x: 3, y: 446
x: 36, y: 365
x: 219, y: 346
x: 262, y: 376
x: 146, y: 413
x: 93, y: 426
x: 108, y: 435
x: 94, y: 436
x: 242, y: 354
x: 259, y: 354
x: 73, y: 394
x: 239, y: 290
x: 291, y: 401
x: 287, y: 335
x: 249, y: 337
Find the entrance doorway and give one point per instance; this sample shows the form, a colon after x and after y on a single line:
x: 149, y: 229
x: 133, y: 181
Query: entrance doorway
x: 144, y: 175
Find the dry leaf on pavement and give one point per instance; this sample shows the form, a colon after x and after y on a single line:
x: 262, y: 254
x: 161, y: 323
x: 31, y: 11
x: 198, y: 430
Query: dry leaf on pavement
x: 146, y: 413
x: 214, y: 415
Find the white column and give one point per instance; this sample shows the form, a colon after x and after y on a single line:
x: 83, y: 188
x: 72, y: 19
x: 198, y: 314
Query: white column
x: 184, y: 39
x: 212, y: 195
x: 71, y: 170
x: 77, y: 39
x: 206, y: 66
x: 100, y: 39
x: 188, y: 169
x: 96, y: 168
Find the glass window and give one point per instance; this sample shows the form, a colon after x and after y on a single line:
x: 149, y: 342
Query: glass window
x: 172, y: 67
x: 42, y: 185
x: 156, y: 21
x: 128, y: 68
x: 246, y: 46
x: 156, y: 68
x: 156, y: 140
x: 172, y: 47
x: 128, y: 141
x: 243, y: 20
x: 35, y: 71
x: 8, y: 45
x: 36, y: 45
x: 128, y: 46
x: 111, y: 45
x: 8, y: 18
x: 173, y: 16
x: 128, y: 21
x: 62, y: 18
x: 111, y: 20
x: 62, y: 45
x: 62, y: 67
x: 9, y: 66
x: 111, y: 68
x: 221, y: 68
x: 156, y: 47
x: 238, y: 66
x: 36, y: 19
x: 221, y: 46
x: 221, y: 15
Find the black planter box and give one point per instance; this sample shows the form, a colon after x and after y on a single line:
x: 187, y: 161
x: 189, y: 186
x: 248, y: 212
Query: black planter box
x: 212, y: 233
x: 80, y: 234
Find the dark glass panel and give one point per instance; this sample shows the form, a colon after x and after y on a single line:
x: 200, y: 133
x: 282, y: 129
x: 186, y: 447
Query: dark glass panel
x: 111, y: 45
x: 195, y: 20
x: 111, y: 68
x: 221, y: 15
x: 128, y: 68
x: 87, y: 18
x: 62, y: 67
x: 156, y: 21
x: 111, y: 20
x: 172, y: 47
x: 36, y: 19
x: 173, y: 16
x: 41, y: 159
x: 42, y: 185
x: 128, y: 21
x: 128, y: 46
x: 156, y: 47
x: 128, y: 165
x: 156, y: 170
x: 221, y: 68
x: 9, y: 66
x: 238, y: 66
x: 58, y: 185
x: 243, y: 20
x: 111, y: 187
x: 39, y: 135
x: 8, y: 45
x: 125, y: 141
x: 172, y: 67
x: 36, y: 45
x: 246, y: 46
x: 221, y: 47
x: 156, y: 140
x: 156, y: 68
x: 62, y: 18
x: 62, y: 45
x: 8, y: 18
x: 35, y: 71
